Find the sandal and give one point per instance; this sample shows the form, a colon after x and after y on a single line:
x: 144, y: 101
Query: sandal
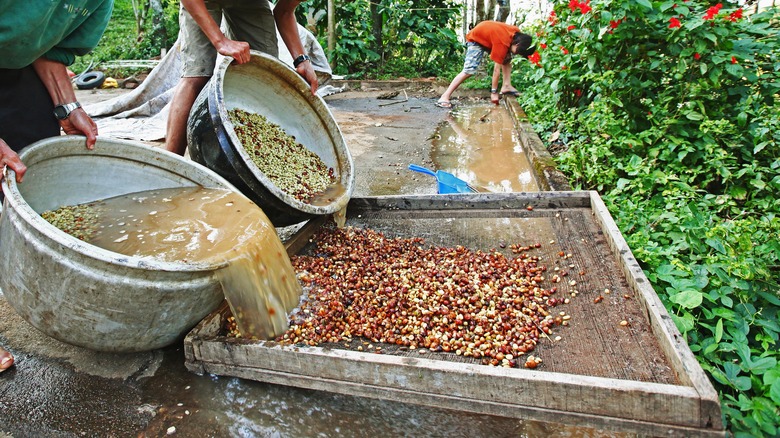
x: 6, y: 360
x: 510, y: 93
x: 444, y: 104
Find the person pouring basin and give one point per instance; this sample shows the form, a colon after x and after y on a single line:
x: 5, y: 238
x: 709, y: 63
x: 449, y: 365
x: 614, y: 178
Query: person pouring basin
x: 39, y: 39
x: 252, y: 25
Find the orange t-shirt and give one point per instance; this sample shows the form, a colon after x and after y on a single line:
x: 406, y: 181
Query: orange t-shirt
x: 494, y: 36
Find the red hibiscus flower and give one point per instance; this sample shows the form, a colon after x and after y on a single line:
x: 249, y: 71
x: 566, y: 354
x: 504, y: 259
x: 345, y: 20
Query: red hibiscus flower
x: 713, y: 11
x: 674, y: 22
x: 584, y: 7
x: 536, y: 59
x: 735, y: 16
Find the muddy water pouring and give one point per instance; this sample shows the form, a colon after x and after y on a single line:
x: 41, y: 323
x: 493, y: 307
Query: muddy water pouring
x: 199, y: 225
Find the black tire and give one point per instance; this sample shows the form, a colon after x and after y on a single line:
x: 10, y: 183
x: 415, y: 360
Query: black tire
x: 90, y: 80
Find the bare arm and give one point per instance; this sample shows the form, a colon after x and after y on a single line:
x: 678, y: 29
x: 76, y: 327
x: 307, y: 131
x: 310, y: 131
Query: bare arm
x: 284, y: 15
x: 54, y: 76
x: 238, y: 50
x: 494, y: 84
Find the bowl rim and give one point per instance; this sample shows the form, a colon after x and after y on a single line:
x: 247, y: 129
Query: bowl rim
x: 287, y: 74
x: 117, y: 148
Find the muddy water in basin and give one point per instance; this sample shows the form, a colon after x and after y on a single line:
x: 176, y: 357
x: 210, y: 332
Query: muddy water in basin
x: 478, y: 144
x: 205, y: 226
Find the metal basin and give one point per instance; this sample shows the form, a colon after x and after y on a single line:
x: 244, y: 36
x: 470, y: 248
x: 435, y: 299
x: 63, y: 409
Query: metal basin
x: 268, y: 87
x: 82, y: 294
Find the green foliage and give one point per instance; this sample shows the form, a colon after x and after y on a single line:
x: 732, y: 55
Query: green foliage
x: 121, y: 40
x: 416, y: 39
x: 670, y: 110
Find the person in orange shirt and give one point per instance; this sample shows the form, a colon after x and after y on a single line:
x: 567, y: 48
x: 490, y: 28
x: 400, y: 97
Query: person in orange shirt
x: 502, y: 41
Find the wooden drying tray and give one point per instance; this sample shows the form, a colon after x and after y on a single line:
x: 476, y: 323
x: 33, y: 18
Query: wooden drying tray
x: 639, y: 376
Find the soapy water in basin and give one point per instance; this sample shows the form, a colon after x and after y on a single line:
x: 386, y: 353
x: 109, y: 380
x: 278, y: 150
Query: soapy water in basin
x: 478, y: 144
x: 205, y: 226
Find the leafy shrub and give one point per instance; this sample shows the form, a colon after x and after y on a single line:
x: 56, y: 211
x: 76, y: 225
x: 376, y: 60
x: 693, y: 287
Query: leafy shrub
x: 414, y: 39
x: 121, y: 40
x: 670, y: 110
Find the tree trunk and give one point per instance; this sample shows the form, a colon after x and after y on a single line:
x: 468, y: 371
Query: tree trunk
x: 465, y: 25
x: 376, y: 29
x: 159, y: 33
x: 480, y: 10
x: 491, y: 11
x: 504, y: 6
x: 331, y: 29
x: 140, y: 9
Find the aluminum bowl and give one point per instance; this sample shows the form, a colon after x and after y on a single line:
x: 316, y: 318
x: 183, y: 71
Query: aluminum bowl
x: 82, y: 294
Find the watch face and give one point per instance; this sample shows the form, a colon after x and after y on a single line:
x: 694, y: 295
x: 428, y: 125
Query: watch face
x: 60, y: 112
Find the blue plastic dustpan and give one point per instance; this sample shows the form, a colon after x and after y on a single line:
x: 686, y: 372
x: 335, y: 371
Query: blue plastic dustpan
x: 447, y: 182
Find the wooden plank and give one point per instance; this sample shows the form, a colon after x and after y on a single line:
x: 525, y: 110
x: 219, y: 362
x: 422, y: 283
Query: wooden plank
x: 518, y: 201
x: 457, y: 403
x: 301, y: 238
x: 514, y: 386
x: 671, y: 340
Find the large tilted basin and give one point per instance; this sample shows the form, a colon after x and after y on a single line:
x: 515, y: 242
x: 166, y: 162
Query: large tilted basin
x: 268, y: 87
x: 82, y: 294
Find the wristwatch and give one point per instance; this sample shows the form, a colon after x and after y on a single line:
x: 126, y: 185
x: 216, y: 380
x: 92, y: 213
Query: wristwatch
x: 62, y: 112
x: 299, y: 60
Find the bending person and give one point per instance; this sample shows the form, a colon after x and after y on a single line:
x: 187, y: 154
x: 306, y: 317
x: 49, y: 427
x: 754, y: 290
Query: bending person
x: 252, y: 24
x: 37, y: 43
x: 502, y: 41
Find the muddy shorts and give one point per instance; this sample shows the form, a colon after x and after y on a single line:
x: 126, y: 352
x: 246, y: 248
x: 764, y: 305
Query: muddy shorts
x: 26, y: 109
x: 474, y: 55
x: 247, y: 20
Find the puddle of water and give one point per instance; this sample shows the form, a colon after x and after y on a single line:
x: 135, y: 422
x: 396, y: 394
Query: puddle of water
x: 232, y: 407
x: 478, y: 143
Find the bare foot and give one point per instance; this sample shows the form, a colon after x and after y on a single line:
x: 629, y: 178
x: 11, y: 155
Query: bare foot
x: 6, y: 360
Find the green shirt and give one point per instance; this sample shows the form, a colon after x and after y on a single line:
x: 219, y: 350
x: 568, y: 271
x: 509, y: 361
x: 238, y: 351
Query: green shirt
x: 56, y: 29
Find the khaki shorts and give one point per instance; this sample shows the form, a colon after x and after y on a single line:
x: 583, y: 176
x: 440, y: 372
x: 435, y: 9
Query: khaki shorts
x: 248, y: 20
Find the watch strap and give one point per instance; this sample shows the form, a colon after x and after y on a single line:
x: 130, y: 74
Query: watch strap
x: 63, y: 111
x: 299, y: 60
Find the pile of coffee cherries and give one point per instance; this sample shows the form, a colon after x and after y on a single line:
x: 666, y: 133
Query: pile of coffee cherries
x: 400, y: 291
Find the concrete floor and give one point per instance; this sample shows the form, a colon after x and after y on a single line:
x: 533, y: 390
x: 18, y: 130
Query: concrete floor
x: 58, y: 390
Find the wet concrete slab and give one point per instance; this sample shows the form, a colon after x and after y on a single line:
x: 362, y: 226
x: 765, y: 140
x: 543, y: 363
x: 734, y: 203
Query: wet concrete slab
x: 56, y: 389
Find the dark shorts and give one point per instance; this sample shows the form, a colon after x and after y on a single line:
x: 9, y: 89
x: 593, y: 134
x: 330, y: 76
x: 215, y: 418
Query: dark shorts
x: 26, y: 109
